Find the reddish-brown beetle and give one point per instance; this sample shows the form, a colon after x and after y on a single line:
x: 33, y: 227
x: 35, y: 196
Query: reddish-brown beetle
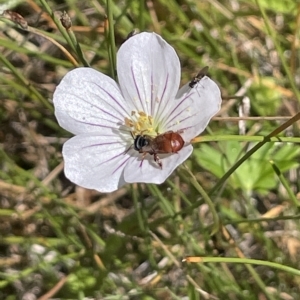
x: 168, y: 142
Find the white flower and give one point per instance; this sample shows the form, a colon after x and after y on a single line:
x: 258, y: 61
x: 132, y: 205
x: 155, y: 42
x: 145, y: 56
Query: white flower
x: 105, y: 116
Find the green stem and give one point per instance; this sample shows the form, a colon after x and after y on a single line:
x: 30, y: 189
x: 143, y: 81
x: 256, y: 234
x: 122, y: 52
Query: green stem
x: 78, y: 48
x: 256, y: 220
x: 58, y: 24
x: 163, y: 202
x: 244, y: 138
x: 207, y: 200
x: 111, y: 34
x: 25, y: 82
x: 236, y: 260
x: 137, y: 206
x: 284, y: 182
x: 273, y: 34
x: 47, y: 242
x: 141, y: 15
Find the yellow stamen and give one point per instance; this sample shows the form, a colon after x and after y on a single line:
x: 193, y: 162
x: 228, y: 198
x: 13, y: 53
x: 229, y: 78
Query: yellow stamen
x: 140, y: 124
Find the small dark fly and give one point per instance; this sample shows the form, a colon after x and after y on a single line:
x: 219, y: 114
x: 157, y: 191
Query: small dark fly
x: 198, y: 77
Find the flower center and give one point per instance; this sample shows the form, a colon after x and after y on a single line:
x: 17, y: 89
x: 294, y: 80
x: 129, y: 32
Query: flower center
x: 140, y: 124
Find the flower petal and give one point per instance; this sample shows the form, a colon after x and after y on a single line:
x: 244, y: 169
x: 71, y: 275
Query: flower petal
x: 96, y: 161
x: 148, y: 171
x: 194, y: 108
x: 149, y: 73
x: 86, y: 100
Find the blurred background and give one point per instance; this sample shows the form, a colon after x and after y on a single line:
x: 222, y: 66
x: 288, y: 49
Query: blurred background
x: 61, y: 241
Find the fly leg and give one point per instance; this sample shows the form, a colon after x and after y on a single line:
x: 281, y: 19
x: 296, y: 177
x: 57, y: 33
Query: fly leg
x: 157, y: 160
x: 143, y: 157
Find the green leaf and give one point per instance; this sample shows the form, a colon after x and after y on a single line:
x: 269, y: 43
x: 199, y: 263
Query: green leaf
x: 282, y: 6
x: 254, y: 174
